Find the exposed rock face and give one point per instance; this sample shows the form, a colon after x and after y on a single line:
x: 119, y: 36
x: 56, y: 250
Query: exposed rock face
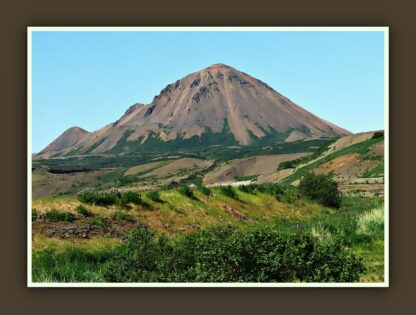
x: 203, y: 103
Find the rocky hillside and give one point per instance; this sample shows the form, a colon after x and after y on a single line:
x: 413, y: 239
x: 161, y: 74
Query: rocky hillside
x: 216, y: 105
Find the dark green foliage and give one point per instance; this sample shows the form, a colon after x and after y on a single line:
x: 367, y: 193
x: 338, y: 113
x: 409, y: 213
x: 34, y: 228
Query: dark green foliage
x: 54, y: 215
x: 281, y: 251
x: 249, y: 189
x: 98, y: 198
x: 378, y: 134
x: 290, y: 164
x: 154, y: 195
x: 271, y: 189
x: 320, y: 188
x: 228, y: 191
x: 122, y: 216
x: 228, y: 255
x: 205, y: 190
x: 186, y: 191
x: 82, y: 210
x: 128, y: 197
x: 110, y: 198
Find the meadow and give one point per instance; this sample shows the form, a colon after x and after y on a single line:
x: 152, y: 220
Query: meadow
x: 256, y: 233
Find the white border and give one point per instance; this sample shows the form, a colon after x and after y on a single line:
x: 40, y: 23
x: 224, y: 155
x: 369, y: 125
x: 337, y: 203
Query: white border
x: 384, y: 29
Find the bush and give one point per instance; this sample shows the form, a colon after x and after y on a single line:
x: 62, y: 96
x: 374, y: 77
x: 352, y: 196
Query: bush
x: 56, y: 216
x: 154, y: 195
x: 229, y: 192
x: 378, y: 134
x: 249, y: 189
x: 320, y: 188
x: 274, y: 190
x: 82, y: 210
x: 110, y: 198
x: 128, y: 197
x: 123, y: 216
x: 205, y: 190
x: 224, y: 254
x: 186, y: 191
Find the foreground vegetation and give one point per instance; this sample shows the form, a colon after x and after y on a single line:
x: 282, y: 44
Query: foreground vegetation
x: 329, y: 245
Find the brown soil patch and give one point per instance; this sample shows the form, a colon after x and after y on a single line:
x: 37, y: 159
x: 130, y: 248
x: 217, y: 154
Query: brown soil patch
x: 348, y: 166
x: 378, y: 148
x: 275, y: 177
x: 181, y: 165
x: 141, y: 168
x: 45, y: 184
x: 256, y: 165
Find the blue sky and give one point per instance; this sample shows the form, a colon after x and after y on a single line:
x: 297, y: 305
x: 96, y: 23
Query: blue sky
x: 89, y: 79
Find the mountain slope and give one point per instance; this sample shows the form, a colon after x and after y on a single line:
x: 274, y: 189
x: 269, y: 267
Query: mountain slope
x: 217, y: 105
x: 66, y: 140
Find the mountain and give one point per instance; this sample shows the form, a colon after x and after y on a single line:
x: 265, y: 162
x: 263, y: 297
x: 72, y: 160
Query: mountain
x: 216, y: 105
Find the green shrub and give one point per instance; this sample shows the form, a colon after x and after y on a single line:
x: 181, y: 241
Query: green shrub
x: 205, y: 190
x: 320, y: 188
x: 82, y: 210
x: 186, y: 191
x: 228, y: 191
x: 123, y: 216
x: 274, y: 190
x: 110, y: 198
x: 128, y: 197
x: 154, y: 196
x: 224, y: 254
x: 249, y: 189
x: 378, y: 134
x: 54, y: 216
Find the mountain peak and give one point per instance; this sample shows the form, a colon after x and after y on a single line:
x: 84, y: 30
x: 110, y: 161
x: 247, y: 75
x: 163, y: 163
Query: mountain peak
x: 214, y: 105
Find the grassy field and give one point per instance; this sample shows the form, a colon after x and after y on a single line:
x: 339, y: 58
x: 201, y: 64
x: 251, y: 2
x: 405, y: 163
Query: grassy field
x: 356, y: 229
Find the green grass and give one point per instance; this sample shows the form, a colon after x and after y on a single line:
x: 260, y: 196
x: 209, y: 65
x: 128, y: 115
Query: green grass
x: 123, y: 216
x: 375, y: 172
x: 333, y: 241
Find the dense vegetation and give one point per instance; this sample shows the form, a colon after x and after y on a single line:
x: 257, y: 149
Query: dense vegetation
x: 111, y: 198
x: 55, y: 216
x: 325, y: 248
x: 275, y: 253
x: 321, y: 188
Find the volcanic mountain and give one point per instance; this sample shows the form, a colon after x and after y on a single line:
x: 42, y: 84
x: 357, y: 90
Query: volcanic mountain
x: 216, y: 105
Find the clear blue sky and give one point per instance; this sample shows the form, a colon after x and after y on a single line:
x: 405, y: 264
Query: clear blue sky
x: 89, y: 79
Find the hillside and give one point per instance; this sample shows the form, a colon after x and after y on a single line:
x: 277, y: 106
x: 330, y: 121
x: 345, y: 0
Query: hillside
x: 216, y: 105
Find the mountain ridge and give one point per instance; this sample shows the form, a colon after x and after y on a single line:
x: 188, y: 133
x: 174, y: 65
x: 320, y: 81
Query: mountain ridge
x: 217, y: 100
